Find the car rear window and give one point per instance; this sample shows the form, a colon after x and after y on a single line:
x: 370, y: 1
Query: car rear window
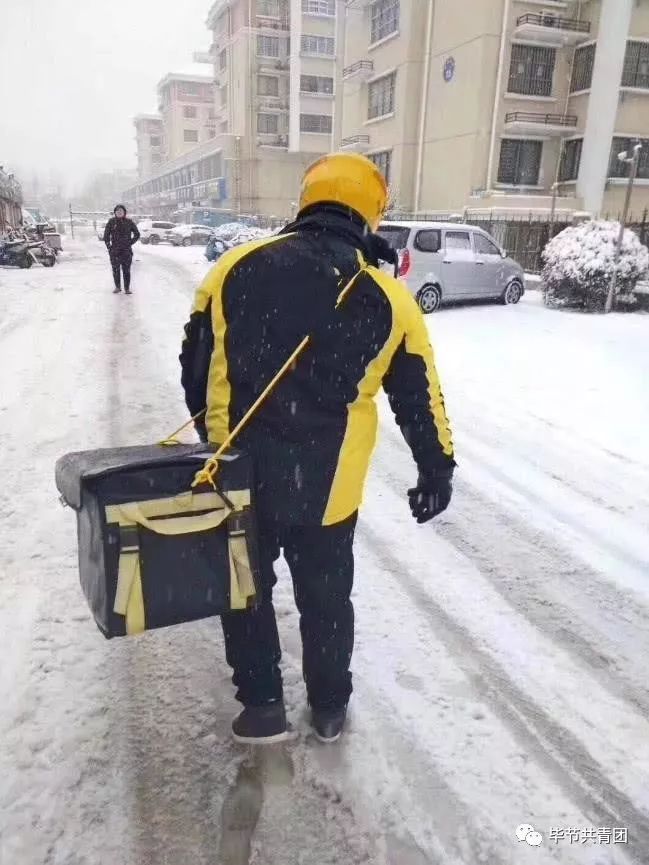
x: 396, y: 235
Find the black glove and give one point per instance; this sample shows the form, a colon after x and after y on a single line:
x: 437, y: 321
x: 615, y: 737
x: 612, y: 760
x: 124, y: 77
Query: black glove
x: 432, y: 495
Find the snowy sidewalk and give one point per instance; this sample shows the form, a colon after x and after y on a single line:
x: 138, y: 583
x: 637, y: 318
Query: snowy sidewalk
x: 500, y: 664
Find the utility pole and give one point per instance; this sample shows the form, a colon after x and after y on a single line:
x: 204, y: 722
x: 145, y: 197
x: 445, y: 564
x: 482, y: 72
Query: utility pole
x: 633, y: 162
x: 553, y: 210
x: 71, y: 221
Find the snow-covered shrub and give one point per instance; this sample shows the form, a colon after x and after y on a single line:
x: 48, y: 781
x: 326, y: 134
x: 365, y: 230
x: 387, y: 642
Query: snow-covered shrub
x: 578, y: 264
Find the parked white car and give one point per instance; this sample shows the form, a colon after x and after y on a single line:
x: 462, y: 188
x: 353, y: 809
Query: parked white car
x: 448, y: 261
x: 155, y: 231
x: 186, y: 235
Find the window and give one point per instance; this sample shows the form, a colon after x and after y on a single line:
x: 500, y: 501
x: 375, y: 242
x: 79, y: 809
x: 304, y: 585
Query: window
x: 223, y: 96
x: 190, y: 88
x: 268, y: 124
x: 267, y: 85
x: 531, y: 70
x: 428, y: 241
x: 458, y: 240
x: 381, y: 97
x: 224, y: 126
x: 316, y: 84
x: 384, y: 19
x: 319, y: 7
x: 636, y: 65
x: 268, y: 46
x: 154, y: 140
x: 570, y: 159
x: 268, y: 8
x: 383, y: 162
x: 315, y: 123
x: 211, y: 114
x: 520, y: 162
x: 396, y: 235
x: 582, y: 69
x: 621, y: 169
x: 319, y: 45
x: 189, y: 111
x: 223, y: 59
x: 190, y: 135
x: 484, y: 246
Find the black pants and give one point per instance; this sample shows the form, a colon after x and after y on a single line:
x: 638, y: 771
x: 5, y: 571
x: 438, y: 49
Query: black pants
x: 321, y: 562
x: 123, y: 259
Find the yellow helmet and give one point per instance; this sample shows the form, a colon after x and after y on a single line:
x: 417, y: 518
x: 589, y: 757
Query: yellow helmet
x: 348, y: 179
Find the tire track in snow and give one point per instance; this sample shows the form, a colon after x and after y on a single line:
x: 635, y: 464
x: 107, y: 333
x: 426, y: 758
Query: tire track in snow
x: 555, y: 748
x: 504, y: 546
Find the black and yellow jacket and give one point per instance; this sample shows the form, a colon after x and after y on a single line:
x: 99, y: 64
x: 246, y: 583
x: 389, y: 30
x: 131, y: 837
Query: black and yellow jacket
x: 313, y: 437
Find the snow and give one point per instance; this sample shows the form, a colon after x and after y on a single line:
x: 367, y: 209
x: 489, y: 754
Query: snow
x: 586, y: 252
x: 500, y: 661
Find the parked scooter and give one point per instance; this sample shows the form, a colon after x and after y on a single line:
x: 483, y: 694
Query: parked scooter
x: 15, y: 252
x: 42, y: 252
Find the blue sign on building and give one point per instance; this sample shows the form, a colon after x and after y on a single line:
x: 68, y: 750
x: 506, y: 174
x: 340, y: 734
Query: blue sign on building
x: 449, y: 69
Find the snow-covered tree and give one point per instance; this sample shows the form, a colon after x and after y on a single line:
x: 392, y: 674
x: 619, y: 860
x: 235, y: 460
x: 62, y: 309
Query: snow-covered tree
x: 579, y: 262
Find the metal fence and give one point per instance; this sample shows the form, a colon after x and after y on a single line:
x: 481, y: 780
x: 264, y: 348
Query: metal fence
x: 524, y: 236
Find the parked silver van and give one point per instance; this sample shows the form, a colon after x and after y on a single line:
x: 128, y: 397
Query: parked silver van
x: 448, y: 261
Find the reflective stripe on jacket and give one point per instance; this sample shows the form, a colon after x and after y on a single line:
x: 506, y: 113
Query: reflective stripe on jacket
x: 313, y: 438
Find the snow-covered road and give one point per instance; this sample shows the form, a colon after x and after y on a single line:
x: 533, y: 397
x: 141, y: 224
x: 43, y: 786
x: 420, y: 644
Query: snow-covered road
x: 502, y: 652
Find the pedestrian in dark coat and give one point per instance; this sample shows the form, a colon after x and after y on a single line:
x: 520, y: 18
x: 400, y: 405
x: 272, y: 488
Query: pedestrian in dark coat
x: 119, y: 236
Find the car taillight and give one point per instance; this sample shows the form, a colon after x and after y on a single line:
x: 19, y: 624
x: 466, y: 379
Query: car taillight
x: 404, y: 262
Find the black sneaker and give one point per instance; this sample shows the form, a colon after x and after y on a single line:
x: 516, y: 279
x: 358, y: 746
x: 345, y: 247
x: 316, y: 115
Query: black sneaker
x: 328, y: 724
x: 117, y: 290
x: 127, y: 291
x: 262, y: 725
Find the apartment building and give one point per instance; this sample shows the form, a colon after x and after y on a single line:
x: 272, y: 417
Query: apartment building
x: 490, y: 103
x: 149, y: 137
x: 241, y: 138
x: 274, y: 68
x: 187, y: 108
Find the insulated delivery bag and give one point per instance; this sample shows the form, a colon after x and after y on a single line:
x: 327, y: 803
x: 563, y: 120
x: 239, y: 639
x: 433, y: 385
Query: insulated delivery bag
x: 153, y: 550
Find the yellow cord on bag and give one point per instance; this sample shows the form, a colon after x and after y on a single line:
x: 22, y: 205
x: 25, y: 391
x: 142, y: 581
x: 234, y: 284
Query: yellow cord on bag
x: 172, y: 439
x: 207, y: 474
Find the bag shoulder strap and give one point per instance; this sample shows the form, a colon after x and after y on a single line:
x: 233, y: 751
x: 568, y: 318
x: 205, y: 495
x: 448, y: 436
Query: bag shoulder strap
x: 207, y: 474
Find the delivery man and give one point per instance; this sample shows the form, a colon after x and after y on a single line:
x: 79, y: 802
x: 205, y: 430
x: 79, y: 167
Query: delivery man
x: 311, y: 440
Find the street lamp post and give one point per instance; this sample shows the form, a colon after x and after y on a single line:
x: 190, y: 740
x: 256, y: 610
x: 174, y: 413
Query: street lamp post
x: 633, y: 162
x: 553, y: 210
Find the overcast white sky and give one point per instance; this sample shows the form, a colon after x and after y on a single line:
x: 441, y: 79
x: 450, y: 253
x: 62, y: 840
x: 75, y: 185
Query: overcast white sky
x: 73, y: 73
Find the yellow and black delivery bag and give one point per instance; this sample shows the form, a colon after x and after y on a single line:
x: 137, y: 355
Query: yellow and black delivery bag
x: 153, y: 551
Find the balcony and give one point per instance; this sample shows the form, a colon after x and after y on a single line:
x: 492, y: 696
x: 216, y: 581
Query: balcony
x: 268, y: 66
x: 276, y: 141
x: 272, y: 103
x: 356, y: 143
x: 551, y: 28
x: 264, y: 23
x: 540, y: 124
x: 362, y: 70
